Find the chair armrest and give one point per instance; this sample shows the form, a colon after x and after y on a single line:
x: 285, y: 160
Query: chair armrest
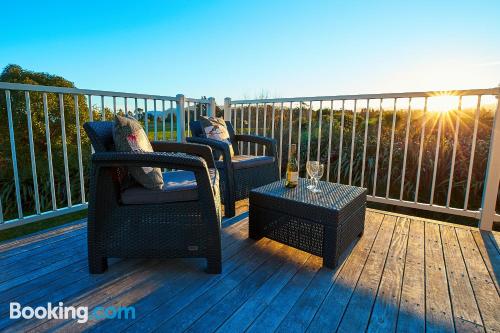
x: 269, y: 143
x: 202, y: 151
x: 226, y: 161
x: 180, y: 161
x: 214, y: 144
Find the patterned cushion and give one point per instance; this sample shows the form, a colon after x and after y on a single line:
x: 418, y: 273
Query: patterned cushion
x: 215, y: 128
x: 129, y: 136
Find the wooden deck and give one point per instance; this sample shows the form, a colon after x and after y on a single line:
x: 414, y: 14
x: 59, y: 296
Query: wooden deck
x: 404, y: 275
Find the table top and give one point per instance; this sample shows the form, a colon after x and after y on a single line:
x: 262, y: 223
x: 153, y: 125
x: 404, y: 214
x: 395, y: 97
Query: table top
x: 333, y: 196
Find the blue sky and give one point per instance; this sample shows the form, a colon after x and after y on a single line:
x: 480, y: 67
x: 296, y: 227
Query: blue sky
x: 243, y: 48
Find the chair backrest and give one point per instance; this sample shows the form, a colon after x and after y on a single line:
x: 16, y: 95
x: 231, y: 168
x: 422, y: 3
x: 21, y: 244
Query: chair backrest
x: 197, y: 131
x: 100, y: 134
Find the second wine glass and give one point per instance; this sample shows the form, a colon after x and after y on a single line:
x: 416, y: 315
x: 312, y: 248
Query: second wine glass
x: 312, y: 168
x: 319, y: 173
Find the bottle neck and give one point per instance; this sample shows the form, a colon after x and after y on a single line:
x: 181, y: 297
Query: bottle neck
x: 293, y: 151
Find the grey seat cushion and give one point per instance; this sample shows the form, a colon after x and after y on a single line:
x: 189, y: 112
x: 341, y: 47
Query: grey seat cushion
x: 178, y: 186
x: 247, y: 161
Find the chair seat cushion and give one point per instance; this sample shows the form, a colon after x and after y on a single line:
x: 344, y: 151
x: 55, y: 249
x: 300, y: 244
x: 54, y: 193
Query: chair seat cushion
x: 247, y: 161
x: 178, y: 186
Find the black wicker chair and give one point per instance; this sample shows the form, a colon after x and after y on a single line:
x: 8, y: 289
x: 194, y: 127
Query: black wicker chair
x: 241, y: 173
x: 183, y: 220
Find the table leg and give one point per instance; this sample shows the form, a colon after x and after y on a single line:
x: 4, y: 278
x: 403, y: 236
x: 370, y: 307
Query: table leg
x: 329, y: 248
x: 253, y: 224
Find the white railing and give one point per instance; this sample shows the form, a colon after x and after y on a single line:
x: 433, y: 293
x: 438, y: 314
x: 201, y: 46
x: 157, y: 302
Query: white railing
x: 43, y: 113
x: 407, y: 155
x: 366, y: 141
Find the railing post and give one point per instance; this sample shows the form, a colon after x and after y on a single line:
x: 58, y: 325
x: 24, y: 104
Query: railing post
x: 179, y: 116
x: 227, y: 109
x: 211, y: 107
x: 492, y: 179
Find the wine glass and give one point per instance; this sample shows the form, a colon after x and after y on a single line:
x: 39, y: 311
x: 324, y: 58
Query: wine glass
x: 317, y: 176
x: 311, y: 167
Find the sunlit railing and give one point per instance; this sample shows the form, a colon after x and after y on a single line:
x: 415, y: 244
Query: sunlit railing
x: 425, y: 150
x: 44, y: 156
x: 435, y: 151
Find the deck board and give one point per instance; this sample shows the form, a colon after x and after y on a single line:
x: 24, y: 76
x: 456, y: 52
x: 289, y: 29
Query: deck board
x: 358, y: 311
x: 36, y: 254
x: 439, y: 316
x: 495, y: 240
x: 404, y: 274
x: 246, y: 313
x: 11, y: 268
x: 490, y: 255
x: 198, y: 290
x: 41, y: 238
x: 486, y: 294
x: 411, y: 316
x: 278, y: 308
x: 465, y: 310
x: 333, y: 307
x: 261, y: 280
x: 385, y: 310
x: 246, y: 278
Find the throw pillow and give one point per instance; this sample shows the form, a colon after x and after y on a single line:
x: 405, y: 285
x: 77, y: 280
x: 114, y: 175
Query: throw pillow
x: 129, y: 136
x: 215, y: 128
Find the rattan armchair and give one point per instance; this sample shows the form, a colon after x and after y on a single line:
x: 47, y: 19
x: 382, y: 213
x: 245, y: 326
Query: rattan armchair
x: 240, y: 173
x: 184, y: 222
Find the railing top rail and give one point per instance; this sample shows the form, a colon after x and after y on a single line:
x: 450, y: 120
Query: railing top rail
x: 469, y: 92
x: 197, y: 100
x: 76, y: 91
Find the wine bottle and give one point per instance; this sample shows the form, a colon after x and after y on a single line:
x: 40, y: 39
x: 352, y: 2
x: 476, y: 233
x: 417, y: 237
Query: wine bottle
x: 292, y: 169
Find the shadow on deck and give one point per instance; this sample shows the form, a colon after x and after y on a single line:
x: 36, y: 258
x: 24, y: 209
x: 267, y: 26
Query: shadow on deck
x: 404, y: 274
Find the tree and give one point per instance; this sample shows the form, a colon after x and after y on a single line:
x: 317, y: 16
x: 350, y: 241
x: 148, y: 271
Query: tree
x: 16, y: 74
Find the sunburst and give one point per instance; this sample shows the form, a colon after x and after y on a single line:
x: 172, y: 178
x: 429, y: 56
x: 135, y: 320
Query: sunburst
x: 443, y: 102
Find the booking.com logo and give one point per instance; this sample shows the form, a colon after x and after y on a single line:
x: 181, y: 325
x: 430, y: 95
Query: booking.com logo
x: 80, y: 313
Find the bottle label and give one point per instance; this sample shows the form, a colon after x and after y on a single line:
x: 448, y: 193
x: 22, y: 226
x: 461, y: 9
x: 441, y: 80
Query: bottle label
x: 294, y: 177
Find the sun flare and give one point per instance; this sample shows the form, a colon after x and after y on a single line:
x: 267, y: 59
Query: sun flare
x: 442, y: 103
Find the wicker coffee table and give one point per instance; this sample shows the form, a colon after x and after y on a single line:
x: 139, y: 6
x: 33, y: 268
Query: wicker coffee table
x: 324, y: 224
